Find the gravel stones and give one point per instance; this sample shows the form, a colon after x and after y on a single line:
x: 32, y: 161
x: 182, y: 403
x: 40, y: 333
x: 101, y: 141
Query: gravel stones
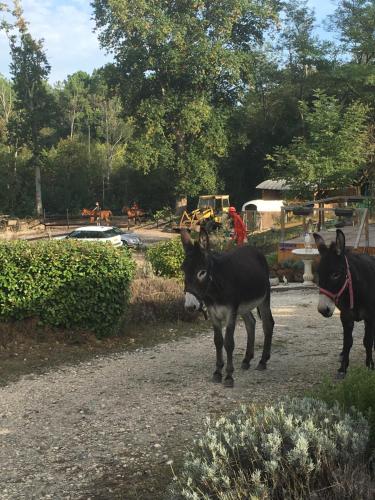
x: 109, y: 428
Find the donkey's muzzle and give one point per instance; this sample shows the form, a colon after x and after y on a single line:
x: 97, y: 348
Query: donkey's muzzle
x: 326, y: 306
x: 191, y: 302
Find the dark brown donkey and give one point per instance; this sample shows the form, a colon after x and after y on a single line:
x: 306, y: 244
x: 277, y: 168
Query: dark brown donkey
x: 347, y: 281
x: 228, y: 284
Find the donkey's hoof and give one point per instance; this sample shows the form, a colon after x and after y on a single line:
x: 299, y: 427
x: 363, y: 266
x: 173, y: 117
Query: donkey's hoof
x: 340, y: 375
x: 228, y: 382
x: 262, y: 365
x: 217, y: 378
x: 245, y: 365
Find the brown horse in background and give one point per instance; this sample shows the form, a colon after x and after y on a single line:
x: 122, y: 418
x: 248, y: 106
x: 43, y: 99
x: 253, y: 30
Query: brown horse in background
x: 133, y: 213
x: 103, y: 215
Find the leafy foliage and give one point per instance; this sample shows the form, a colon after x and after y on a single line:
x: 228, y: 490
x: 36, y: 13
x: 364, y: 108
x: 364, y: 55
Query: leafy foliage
x: 184, y: 66
x: 30, y: 69
x: 199, y: 94
x: 355, y: 21
x: 67, y: 284
x: 283, y: 451
x: 166, y: 258
x: 330, y: 154
x: 271, y: 258
x: 165, y: 213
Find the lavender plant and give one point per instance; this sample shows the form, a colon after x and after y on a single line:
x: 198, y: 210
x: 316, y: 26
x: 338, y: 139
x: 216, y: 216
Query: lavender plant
x: 287, y: 450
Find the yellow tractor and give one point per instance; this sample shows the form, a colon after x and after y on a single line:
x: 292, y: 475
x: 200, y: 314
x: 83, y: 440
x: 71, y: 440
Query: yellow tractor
x: 210, y: 213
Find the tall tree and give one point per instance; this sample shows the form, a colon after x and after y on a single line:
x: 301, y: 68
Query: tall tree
x: 304, y: 53
x: 29, y: 69
x: 74, y: 101
x: 355, y: 22
x: 333, y: 151
x: 180, y: 67
x: 114, y: 132
x: 6, y: 108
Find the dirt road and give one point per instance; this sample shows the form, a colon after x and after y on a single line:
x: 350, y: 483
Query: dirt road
x: 110, y: 428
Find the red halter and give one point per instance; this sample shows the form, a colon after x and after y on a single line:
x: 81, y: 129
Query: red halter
x: 348, y: 284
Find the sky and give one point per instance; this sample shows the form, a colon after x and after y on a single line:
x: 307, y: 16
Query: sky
x: 69, y: 41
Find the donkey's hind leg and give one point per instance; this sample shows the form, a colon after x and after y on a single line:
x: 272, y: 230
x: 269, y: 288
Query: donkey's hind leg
x: 348, y: 325
x: 250, y: 329
x: 268, y: 324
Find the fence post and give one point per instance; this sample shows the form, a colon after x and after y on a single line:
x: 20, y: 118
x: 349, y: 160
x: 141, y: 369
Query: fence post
x: 67, y: 217
x: 44, y: 215
x: 363, y: 220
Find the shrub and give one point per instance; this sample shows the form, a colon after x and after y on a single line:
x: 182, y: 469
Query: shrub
x: 65, y: 283
x: 157, y: 299
x: 296, y: 265
x: 165, y: 213
x: 166, y: 258
x: 272, y: 258
x: 268, y: 241
x: 220, y: 241
x: 283, y: 451
x: 356, y: 390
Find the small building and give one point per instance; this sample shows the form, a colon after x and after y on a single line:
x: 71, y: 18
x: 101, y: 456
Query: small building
x: 264, y: 213
x: 273, y: 190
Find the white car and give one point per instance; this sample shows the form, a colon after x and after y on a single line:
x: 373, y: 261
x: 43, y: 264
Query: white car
x: 100, y: 234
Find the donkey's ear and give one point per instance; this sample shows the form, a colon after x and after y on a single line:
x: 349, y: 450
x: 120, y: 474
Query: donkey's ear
x: 186, y: 240
x: 320, y: 243
x: 204, y: 240
x: 340, y: 242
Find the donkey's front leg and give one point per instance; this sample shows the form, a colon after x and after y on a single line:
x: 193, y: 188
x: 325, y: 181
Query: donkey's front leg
x: 219, y: 342
x: 348, y: 325
x: 229, y: 347
x: 368, y: 341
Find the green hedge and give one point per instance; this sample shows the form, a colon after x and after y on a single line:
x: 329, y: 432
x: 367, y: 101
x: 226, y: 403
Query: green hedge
x: 166, y: 258
x: 65, y: 283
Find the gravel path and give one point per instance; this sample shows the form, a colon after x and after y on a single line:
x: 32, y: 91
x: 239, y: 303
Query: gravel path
x: 110, y: 428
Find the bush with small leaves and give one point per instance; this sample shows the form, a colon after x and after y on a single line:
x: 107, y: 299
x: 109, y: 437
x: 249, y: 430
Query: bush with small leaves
x: 165, y: 213
x: 272, y: 258
x: 289, y: 450
x: 166, y: 258
x: 65, y: 283
x: 356, y: 390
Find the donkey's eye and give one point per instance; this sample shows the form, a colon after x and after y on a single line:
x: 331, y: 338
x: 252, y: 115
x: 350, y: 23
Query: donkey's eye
x: 335, y: 276
x: 201, y: 274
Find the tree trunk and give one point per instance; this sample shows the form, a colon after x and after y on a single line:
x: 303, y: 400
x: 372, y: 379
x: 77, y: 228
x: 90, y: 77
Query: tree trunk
x: 89, y: 143
x: 38, y: 191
